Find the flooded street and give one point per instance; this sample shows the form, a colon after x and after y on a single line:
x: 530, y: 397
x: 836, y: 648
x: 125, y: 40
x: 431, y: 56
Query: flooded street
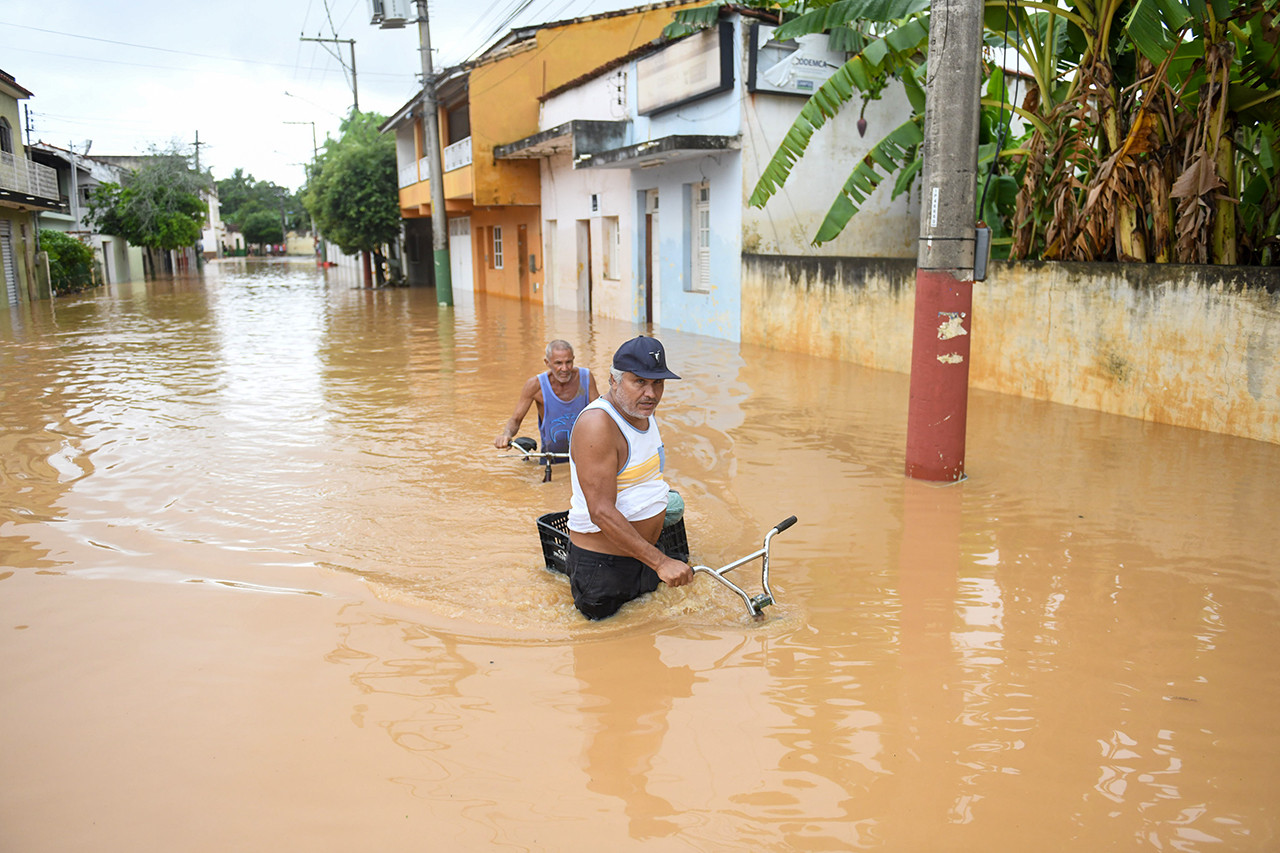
x: 266, y: 584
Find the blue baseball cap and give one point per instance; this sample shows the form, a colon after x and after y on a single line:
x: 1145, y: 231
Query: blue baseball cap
x: 644, y: 357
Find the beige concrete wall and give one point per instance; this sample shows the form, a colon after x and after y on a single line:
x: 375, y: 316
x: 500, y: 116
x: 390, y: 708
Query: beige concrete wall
x: 1190, y: 346
x: 852, y: 309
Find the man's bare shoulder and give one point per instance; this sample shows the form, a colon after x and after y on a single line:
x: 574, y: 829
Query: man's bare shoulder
x: 533, y: 387
x: 595, y: 422
x: 594, y: 431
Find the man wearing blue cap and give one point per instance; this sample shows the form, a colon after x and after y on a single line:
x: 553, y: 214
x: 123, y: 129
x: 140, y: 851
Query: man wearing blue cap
x: 619, y: 500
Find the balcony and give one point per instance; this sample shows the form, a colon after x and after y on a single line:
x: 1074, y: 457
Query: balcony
x: 415, y: 179
x: 457, y: 155
x: 415, y: 172
x: 409, y: 174
x: 27, y: 184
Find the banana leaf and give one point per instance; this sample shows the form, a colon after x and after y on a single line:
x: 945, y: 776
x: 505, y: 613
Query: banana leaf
x: 845, y: 12
x: 857, y: 75
x: 897, y: 150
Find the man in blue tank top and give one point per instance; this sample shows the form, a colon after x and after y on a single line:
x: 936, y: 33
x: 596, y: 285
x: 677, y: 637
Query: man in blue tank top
x: 560, y: 393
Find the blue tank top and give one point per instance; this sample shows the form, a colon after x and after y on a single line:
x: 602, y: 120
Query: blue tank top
x: 557, y: 415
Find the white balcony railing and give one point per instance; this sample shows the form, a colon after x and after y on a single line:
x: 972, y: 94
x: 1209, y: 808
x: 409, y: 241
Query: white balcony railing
x: 458, y: 155
x: 408, y: 174
x: 19, y: 174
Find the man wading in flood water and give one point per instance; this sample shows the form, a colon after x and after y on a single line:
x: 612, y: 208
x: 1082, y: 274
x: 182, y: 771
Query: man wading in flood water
x: 619, y: 501
x: 560, y: 393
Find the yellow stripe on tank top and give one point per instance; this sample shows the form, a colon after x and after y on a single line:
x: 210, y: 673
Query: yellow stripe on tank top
x: 641, y: 472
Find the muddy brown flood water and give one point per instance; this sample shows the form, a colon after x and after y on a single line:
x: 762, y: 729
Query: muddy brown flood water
x: 265, y: 584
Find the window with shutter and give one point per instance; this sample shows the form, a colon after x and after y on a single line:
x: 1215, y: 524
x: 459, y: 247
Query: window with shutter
x: 701, y: 256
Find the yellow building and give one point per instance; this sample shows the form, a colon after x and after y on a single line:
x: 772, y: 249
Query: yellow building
x: 493, y: 206
x: 26, y: 188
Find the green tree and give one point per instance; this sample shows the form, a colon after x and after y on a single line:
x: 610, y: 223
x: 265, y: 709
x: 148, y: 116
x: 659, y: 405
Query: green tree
x: 262, y: 227
x: 70, y: 262
x: 233, y: 193
x: 157, y: 206
x: 353, y: 193
x: 240, y: 196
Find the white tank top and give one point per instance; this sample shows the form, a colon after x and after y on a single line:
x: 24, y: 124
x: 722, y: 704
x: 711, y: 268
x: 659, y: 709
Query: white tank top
x: 642, y: 492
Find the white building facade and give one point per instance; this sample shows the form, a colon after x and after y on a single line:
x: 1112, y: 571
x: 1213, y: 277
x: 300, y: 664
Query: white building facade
x: 647, y: 165
x: 78, y: 176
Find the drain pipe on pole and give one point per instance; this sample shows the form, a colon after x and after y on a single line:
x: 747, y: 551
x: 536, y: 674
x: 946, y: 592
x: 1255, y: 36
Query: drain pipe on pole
x: 439, y: 219
x: 938, y: 404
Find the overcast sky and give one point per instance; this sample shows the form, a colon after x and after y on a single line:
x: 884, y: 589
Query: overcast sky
x: 131, y: 74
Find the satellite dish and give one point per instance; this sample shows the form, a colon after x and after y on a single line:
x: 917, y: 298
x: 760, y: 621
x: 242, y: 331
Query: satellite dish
x: 88, y: 143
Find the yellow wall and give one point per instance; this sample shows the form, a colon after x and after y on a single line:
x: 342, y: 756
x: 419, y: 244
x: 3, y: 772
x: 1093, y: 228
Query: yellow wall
x: 23, y: 243
x: 504, y: 104
x: 458, y: 183
x: 10, y: 110
x: 507, y: 281
x: 415, y: 199
x: 1191, y: 346
x: 23, y: 230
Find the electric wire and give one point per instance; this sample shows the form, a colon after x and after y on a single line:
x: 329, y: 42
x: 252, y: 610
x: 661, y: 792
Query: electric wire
x: 65, y: 55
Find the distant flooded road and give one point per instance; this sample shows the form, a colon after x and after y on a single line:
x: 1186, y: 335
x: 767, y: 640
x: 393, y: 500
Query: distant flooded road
x: 265, y: 584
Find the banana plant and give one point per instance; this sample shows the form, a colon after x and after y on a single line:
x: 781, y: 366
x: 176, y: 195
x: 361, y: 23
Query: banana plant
x: 1137, y: 159
x: 1146, y: 129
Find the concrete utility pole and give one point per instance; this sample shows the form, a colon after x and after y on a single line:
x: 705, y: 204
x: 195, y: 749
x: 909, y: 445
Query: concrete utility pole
x: 284, y: 225
x: 945, y: 256
x: 351, y: 43
x: 197, y: 248
x: 315, y: 156
x: 75, y: 188
x: 439, y: 220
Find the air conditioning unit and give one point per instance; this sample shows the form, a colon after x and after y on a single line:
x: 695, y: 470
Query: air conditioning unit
x: 391, y: 14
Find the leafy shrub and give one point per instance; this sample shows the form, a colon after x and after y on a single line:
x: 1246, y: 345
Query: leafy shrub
x: 70, y: 262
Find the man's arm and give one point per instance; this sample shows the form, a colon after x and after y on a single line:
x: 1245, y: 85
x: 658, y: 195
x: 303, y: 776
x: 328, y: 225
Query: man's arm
x: 528, y: 394
x: 592, y: 393
x: 599, y: 450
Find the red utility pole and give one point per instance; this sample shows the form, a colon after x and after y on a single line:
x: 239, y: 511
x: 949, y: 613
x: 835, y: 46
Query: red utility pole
x: 938, y: 406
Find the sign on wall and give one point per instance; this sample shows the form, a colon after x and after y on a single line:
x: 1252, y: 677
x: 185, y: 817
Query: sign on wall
x: 694, y: 67
x: 793, y: 67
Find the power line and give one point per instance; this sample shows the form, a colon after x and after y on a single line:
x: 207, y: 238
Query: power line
x: 64, y: 55
x: 351, y: 43
x: 323, y: 70
x: 139, y: 46
x: 167, y: 50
